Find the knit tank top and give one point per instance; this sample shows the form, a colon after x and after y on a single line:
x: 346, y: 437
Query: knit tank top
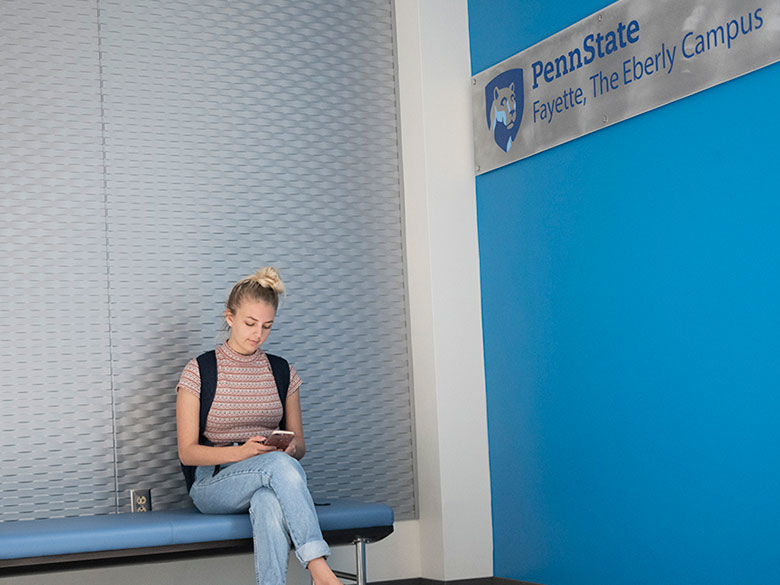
x: 246, y: 402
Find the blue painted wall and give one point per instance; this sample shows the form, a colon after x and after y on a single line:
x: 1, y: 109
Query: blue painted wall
x: 631, y: 306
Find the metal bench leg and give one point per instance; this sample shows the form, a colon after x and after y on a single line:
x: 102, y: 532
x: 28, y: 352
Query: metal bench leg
x: 359, y: 576
x: 360, y: 561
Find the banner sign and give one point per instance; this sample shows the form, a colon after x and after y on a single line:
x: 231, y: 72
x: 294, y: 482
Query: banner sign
x: 630, y: 57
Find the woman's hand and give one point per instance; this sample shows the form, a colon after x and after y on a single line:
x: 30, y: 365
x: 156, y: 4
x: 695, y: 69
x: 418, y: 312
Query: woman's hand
x: 291, y: 449
x: 254, y: 446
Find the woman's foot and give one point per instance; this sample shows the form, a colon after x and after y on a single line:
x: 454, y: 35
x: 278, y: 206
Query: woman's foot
x: 321, y: 573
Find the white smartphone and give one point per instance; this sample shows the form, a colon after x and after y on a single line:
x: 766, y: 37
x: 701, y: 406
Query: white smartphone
x: 279, y: 439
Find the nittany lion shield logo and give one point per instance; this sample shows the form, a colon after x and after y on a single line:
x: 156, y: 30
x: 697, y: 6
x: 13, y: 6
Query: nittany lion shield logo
x: 504, y: 106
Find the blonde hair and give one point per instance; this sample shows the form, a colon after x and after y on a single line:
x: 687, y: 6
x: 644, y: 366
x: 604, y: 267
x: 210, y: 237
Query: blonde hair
x: 264, y: 285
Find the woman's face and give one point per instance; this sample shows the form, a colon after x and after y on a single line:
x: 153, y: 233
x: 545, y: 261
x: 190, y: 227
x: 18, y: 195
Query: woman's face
x: 249, y: 325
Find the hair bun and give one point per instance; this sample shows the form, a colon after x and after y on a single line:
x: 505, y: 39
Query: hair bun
x: 269, y: 277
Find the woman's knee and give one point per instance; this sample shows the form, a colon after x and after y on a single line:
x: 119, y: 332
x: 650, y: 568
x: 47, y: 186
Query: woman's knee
x: 286, y: 467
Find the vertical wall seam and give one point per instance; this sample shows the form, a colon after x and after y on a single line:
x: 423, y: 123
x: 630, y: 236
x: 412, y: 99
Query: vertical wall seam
x: 112, y: 389
x: 404, y: 261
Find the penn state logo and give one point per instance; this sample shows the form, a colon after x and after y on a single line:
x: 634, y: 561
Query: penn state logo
x: 502, y: 96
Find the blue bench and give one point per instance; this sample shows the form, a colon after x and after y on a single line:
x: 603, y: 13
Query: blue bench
x: 56, y: 542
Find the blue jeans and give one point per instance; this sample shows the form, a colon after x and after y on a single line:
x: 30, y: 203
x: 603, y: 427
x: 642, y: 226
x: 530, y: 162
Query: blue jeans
x: 273, y: 488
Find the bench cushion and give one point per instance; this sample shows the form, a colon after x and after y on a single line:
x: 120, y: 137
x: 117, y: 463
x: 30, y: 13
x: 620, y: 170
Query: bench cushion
x: 62, y: 536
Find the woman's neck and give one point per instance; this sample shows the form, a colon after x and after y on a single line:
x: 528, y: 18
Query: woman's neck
x: 232, y: 346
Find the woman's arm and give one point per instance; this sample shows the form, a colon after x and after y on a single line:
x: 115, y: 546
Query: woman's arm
x: 293, y: 421
x: 188, y: 428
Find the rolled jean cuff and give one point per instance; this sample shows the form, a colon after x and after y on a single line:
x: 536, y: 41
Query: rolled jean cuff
x: 312, y: 550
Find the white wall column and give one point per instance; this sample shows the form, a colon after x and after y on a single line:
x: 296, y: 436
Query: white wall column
x: 444, y: 292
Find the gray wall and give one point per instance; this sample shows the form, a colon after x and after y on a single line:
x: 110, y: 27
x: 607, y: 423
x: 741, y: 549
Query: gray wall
x: 153, y: 153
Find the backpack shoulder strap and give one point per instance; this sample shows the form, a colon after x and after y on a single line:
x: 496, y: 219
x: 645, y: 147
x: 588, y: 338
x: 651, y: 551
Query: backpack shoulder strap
x: 207, y: 364
x: 281, y: 370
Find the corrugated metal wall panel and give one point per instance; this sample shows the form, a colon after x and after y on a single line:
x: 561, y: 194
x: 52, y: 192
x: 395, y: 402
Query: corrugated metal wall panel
x: 236, y: 134
x: 56, y: 436
x: 242, y: 134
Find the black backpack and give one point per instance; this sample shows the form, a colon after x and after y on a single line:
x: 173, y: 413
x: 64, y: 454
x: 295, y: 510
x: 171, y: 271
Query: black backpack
x: 207, y: 363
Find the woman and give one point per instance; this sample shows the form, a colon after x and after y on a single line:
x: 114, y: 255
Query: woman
x: 235, y: 470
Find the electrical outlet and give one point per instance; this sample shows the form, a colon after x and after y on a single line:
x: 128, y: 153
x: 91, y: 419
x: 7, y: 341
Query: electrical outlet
x: 140, y: 501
